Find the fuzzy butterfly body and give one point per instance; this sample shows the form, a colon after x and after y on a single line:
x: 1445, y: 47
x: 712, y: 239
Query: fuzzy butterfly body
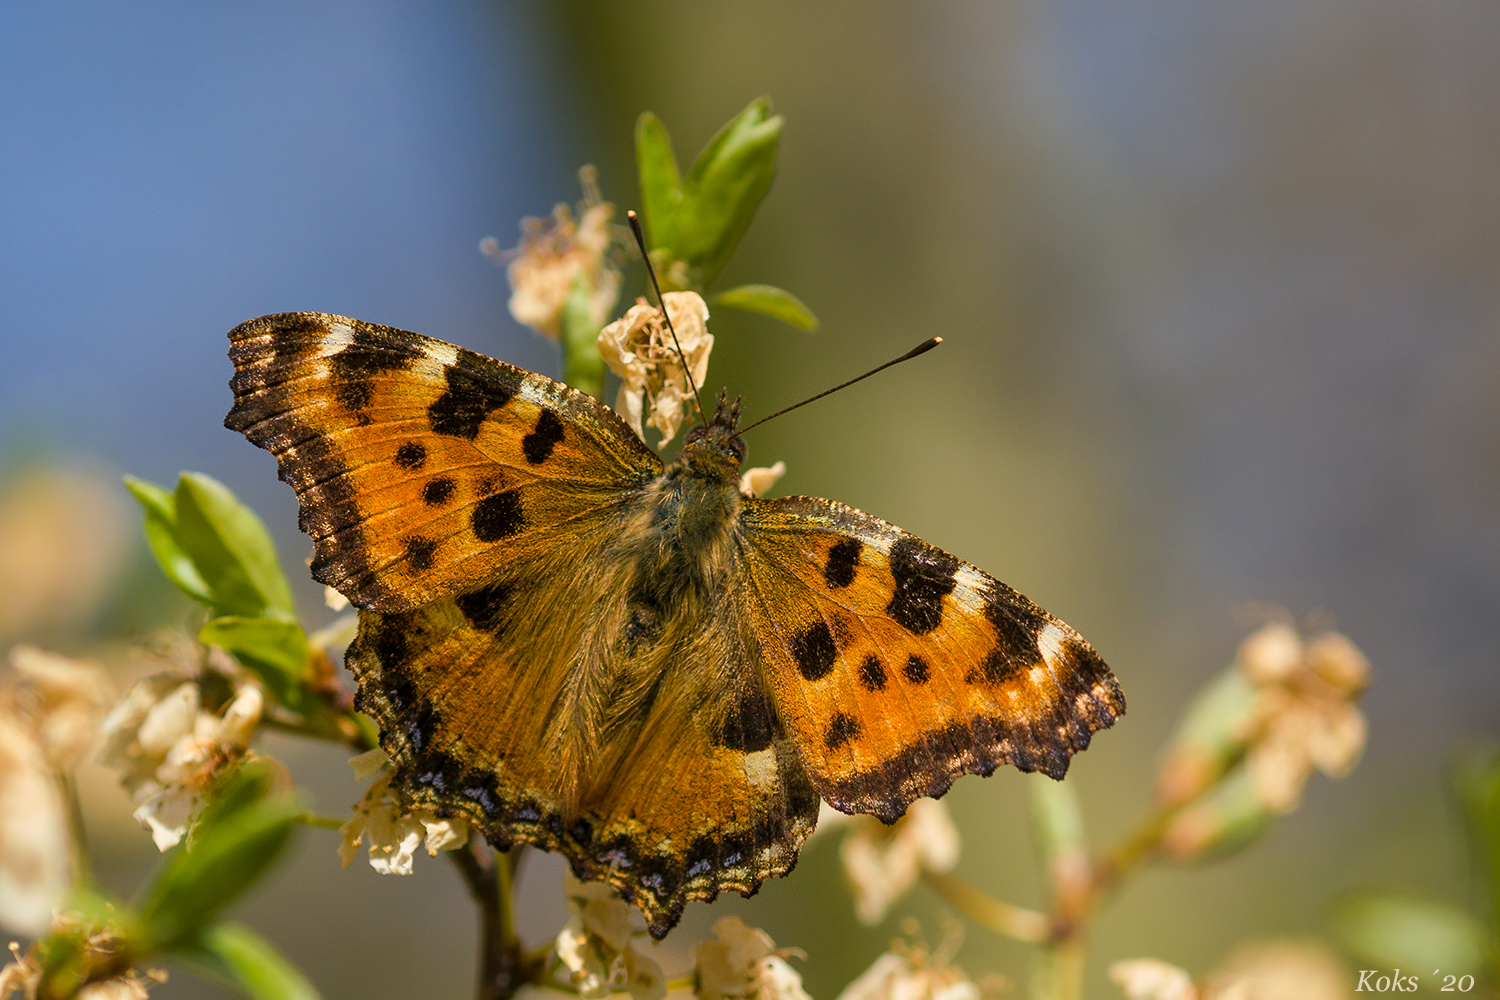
x: 574, y: 645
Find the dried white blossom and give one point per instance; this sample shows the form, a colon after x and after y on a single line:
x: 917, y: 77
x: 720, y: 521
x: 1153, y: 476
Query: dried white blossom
x: 756, y: 481
x: 392, y: 832
x: 556, y: 254
x: 170, y: 750
x: 596, y: 948
x: 744, y: 963
x: 882, y: 862
x: 638, y: 347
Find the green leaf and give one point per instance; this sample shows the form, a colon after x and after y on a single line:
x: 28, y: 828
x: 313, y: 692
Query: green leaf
x: 228, y: 857
x: 701, y: 220
x: 583, y: 368
x: 656, y: 165
x: 236, y: 957
x: 768, y: 300
x: 161, y: 536
x: 232, y: 549
x: 1410, y: 933
x: 276, y: 650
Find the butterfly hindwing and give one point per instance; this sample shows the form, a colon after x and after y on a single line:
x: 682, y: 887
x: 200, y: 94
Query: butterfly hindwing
x: 898, y: 667
x: 547, y: 711
x: 421, y: 467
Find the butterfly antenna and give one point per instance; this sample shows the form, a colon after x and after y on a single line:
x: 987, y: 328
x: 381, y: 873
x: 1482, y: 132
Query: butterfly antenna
x: 640, y: 240
x: 921, y: 348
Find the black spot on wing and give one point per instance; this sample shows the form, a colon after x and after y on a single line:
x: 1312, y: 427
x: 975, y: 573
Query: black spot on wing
x: 537, y: 446
x: 437, y: 491
x: 485, y: 608
x: 843, y: 561
x: 475, y: 390
x: 842, y: 728
x: 916, y: 670
x: 419, y: 552
x: 354, y: 368
x: 498, y: 516
x: 814, y: 651
x: 872, y: 674
x: 923, y: 577
x: 751, y: 724
x: 411, y: 455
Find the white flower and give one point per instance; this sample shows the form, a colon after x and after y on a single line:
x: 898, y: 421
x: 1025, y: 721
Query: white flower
x: 595, y: 945
x: 756, y: 481
x: 392, y: 832
x: 170, y: 750
x: 881, y: 863
x: 556, y: 254
x: 638, y: 347
x: 35, y: 869
x: 744, y: 963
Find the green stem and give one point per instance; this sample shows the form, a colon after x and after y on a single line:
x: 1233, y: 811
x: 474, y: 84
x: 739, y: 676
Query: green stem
x: 583, y: 368
x: 503, y: 966
x: 77, y: 835
x: 1003, y: 918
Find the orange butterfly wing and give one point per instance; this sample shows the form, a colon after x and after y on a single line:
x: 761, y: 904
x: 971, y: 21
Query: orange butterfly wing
x: 898, y: 667
x: 422, y: 468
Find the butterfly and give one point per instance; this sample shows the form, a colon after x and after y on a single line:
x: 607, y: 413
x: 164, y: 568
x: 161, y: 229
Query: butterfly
x: 573, y: 644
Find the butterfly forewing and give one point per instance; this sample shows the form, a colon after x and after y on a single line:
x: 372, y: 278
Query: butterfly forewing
x: 421, y: 467
x: 898, y: 667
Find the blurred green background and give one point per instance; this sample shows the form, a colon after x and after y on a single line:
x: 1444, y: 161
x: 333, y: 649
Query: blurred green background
x: 1218, y: 285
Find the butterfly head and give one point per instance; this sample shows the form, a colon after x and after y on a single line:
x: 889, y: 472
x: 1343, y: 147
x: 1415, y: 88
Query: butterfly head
x: 715, y: 449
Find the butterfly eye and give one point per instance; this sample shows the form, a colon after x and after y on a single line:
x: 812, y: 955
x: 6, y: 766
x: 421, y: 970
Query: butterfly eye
x: 737, y: 446
x: 696, y: 434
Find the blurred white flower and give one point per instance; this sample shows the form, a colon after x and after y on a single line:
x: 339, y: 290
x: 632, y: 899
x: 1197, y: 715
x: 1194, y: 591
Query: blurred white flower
x: 557, y: 253
x: 911, y: 972
x: 1152, y: 979
x: 756, y: 481
x: 882, y: 862
x: 393, y: 833
x: 744, y: 963
x: 1306, y: 718
x: 638, y: 348
x: 66, y: 700
x: 35, y: 864
x: 169, y: 750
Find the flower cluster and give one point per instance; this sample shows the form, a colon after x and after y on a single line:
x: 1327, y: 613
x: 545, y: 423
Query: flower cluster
x: 100, y: 946
x: 1253, y: 738
x: 169, y: 748
x: 743, y: 963
x: 912, y: 972
x: 638, y: 347
x: 1256, y: 970
x: 392, y: 831
x: 596, y: 946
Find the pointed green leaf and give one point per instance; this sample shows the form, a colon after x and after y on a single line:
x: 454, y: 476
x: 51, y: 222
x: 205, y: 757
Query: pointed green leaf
x: 161, y: 536
x: 231, y: 548
x: 276, y: 650
x: 723, y: 189
x: 237, y: 958
x: 228, y: 857
x: 656, y: 165
x: 768, y: 300
x: 1409, y: 933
